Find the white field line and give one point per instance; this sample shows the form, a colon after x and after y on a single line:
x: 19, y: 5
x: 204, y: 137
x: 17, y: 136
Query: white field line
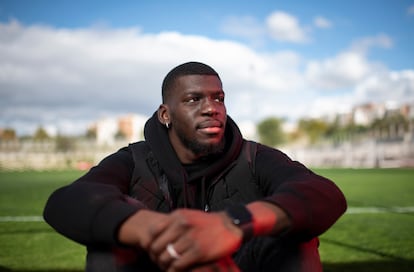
x: 32, y: 218
x: 364, y: 210
x: 351, y: 210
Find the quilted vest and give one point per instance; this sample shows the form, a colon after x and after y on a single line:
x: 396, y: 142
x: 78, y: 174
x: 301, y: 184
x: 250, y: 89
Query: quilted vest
x: 235, y: 184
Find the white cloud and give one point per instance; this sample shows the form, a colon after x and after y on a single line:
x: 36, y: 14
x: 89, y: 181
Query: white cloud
x: 65, y: 79
x: 341, y: 71
x: 410, y: 10
x: 322, y: 22
x: 48, y: 75
x: 396, y: 86
x: 285, y: 27
x: 245, y: 27
x: 279, y: 26
x: 353, y: 79
x: 378, y: 86
x: 348, y: 68
x: 388, y: 87
x: 325, y: 106
x: 365, y: 44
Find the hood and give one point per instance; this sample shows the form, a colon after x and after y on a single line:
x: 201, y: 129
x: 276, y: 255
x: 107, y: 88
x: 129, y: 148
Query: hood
x: 156, y: 136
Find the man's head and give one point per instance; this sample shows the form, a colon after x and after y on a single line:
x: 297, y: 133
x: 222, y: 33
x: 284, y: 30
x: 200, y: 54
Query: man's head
x: 193, y: 110
x: 188, y: 68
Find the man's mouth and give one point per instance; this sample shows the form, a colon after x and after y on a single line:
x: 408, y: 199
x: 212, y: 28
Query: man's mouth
x: 210, y: 130
x: 210, y: 127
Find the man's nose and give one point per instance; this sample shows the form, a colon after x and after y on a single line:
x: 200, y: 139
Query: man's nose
x: 209, y: 106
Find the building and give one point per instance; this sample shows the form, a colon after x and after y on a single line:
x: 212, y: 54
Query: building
x: 130, y: 127
x: 367, y: 113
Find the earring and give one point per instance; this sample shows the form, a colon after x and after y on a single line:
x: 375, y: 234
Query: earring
x: 167, y: 125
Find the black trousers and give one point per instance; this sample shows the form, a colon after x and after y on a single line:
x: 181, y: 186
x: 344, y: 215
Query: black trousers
x: 268, y: 254
x: 261, y: 254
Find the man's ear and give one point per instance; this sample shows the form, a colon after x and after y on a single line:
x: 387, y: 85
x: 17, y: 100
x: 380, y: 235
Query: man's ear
x: 163, y: 114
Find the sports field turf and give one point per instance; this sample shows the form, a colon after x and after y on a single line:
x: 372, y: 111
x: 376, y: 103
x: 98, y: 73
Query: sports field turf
x: 376, y: 234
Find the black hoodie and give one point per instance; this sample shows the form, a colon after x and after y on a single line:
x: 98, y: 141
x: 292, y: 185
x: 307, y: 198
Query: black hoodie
x: 197, y: 175
x: 91, y: 209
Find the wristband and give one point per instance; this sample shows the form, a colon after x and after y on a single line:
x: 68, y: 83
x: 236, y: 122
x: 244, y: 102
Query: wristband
x: 242, y: 218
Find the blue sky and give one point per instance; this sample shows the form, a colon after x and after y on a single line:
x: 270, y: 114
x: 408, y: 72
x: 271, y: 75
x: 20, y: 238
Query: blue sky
x: 64, y: 64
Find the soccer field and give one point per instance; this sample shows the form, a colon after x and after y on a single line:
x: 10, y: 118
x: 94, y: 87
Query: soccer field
x: 374, y: 235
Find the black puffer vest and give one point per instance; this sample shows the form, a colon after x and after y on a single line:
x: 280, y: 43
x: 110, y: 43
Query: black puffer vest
x: 149, y: 185
x: 235, y: 184
x: 232, y: 180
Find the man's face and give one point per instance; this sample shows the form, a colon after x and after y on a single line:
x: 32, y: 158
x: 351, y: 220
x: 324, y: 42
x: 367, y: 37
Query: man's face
x: 198, y: 114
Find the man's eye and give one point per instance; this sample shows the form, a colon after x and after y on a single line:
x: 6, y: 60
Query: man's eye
x: 220, y: 99
x: 192, y: 99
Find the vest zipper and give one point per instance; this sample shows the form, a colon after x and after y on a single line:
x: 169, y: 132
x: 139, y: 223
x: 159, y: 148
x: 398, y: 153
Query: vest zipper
x: 207, y: 196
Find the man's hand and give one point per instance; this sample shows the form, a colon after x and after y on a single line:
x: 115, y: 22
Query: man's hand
x: 194, y: 237
x: 137, y: 229
x: 197, y: 237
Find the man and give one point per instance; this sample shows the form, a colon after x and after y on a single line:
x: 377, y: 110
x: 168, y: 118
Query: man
x: 195, y: 195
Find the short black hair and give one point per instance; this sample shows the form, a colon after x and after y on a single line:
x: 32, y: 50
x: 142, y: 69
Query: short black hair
x: 188, y: 68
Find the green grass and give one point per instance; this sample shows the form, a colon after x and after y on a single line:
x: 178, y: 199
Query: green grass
x: 34, y: 246
x: 357, y: 242
x: 371, y: 242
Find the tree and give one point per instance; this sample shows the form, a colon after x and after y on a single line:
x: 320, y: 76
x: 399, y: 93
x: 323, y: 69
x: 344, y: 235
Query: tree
x: 64, y: 143
x: 41, y: 134
x: 91, y: 133
x: 8, y: 134
x: 315, y: 129
x: 120, y: 135
x: 270, y: 131
x: 390, y: 124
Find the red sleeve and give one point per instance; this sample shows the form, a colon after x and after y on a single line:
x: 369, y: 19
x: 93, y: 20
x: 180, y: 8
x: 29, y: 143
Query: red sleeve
x: 313, y: 202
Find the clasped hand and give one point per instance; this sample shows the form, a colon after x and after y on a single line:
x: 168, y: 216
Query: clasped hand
x: 191, y: 240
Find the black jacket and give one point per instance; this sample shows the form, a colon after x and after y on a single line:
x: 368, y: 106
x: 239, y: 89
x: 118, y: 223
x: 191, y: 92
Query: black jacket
x: 91, y: 209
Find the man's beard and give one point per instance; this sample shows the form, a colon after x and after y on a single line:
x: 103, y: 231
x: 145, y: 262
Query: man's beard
x: 201, y: 149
